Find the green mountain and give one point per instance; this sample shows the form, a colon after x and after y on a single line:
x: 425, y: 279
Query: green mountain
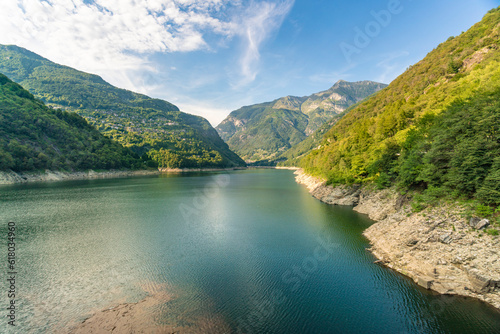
x: 265, y: 131
x: 436, y: 127
x: 35, y: 137
x: 145, y: 125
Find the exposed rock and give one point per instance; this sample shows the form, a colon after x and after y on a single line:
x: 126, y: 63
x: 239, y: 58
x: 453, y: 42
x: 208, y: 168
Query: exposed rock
x: 435, y: 247
x: 424, y: 282
x: 11, y: 177
x: 445, y: 238
x: 480, y: 283
x: 474, y: 221
x: 412, y: 242
x: 481, y: 224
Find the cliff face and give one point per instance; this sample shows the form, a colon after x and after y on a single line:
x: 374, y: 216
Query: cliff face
x: 438, y: 248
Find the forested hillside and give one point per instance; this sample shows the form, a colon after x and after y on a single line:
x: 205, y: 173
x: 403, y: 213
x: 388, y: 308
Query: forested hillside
x: 436, y: 127
x: 145, y: 125
x: 265, y: 131
x: 34, y: 137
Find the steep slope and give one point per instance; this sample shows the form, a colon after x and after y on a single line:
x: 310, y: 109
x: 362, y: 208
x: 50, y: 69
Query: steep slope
x: 435, y: 127
x: 34, y: 137
x: 266, y: 130
x: 146, y: 125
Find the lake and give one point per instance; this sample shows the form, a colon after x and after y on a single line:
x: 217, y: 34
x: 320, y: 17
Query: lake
x: 242, y: 252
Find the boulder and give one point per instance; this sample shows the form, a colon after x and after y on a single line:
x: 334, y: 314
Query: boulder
x: 478, y: 224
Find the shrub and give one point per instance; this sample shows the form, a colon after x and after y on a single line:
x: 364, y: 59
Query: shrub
x: 492, y: 231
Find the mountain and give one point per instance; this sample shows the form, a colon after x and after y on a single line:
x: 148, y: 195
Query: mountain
x: 436, y: 127
x: 145, y: 125
x: 35, y: 137
x: 266, y: 130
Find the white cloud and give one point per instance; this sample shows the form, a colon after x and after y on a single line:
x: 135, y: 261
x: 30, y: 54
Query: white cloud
x: 122, y: 40
x: 107, y: 36
x: 259, y: 21
x: 212, y: 113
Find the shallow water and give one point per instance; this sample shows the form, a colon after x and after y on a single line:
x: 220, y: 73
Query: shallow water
x: 249, y: 250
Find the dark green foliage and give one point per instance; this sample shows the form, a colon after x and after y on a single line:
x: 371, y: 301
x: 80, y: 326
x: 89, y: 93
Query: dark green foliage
x: 454, y: 66
x: 143, y: 124
x: 34, y: 137
x: 459, y: 151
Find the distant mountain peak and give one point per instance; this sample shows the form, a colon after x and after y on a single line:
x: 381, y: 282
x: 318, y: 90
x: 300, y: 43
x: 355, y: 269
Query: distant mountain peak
x: 265, y: 130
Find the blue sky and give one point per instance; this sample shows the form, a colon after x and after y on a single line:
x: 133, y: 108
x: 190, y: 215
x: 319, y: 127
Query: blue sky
x: 211, y: 57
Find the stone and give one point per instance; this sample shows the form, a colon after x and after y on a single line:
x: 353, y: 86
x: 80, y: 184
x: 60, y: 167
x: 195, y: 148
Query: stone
x: 483, y: 224
x: 445, y: 238
x: 412, y: 242
x: 479, y: 283
x: 473, y: 221
x: 478, y: 224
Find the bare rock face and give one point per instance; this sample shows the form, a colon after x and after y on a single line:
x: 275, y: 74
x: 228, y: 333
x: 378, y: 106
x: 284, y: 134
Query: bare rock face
x: 438, y: 247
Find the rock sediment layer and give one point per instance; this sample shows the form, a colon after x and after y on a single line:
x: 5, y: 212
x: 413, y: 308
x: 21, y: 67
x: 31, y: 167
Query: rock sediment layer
x: 437, y: 247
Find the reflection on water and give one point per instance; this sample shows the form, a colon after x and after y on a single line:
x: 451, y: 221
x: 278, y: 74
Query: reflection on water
x: 248, y: 252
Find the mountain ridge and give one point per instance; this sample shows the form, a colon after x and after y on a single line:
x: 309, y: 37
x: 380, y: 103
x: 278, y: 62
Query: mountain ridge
x: 34, y: 137
x: 173, y: 139
x: 266, y: 130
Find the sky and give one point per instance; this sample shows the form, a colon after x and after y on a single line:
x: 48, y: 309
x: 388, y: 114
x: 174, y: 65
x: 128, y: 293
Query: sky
x: 211, y: 57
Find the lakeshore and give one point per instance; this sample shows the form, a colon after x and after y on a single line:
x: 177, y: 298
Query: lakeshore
x: 437, y: 247
x: 182, y: 254
x: 11, y: 177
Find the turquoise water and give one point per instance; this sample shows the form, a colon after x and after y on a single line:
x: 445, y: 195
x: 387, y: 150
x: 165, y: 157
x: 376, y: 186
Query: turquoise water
x: 249, y: 250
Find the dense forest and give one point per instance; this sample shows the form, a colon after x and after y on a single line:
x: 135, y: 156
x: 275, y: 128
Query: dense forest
x: 147, y: 126
x: 35, y: 137
x: 436, y: 127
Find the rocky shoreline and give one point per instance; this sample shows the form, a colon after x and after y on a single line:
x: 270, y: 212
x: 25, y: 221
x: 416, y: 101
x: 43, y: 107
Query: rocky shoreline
x: 12, y: 177
x: 438, y: 248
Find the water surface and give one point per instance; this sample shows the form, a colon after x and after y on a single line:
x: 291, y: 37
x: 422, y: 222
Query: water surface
x: 251, y: 250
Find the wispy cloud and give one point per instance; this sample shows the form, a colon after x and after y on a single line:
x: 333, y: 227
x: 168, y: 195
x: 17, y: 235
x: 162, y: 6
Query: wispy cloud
x: 260, y: 20
x: 111, y: 37
x: 109, y: 34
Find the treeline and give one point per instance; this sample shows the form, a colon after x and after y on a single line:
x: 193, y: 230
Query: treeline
x: 455, y: 154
